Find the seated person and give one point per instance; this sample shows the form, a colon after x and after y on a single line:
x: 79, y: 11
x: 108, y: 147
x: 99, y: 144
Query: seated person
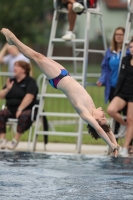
x: 20, y: 98
x: 74, y: 7
x: 9, y: 55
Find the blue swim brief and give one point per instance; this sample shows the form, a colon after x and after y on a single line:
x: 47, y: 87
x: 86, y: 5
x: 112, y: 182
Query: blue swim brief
x: 53, y: 82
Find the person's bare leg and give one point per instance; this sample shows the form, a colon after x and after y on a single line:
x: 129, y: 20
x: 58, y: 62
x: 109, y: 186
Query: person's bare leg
x: 18, y: 136
x: 114, y: 107
x: 50, y: 68
x: 2, y: 136
x: 71, y: 17
x: 69, y: 35
x: 129, y: 130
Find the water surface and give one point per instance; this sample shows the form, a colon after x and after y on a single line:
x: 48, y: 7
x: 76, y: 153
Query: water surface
x: 25, y: 176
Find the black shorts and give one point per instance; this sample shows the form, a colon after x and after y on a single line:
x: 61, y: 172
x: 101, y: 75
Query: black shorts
x: 126, y: 97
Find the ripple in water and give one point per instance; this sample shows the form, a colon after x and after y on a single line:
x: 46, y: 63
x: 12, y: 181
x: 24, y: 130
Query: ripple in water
x: 26, y: 176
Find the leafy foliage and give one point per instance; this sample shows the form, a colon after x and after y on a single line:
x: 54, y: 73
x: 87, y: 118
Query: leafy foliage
x: 29, y: 20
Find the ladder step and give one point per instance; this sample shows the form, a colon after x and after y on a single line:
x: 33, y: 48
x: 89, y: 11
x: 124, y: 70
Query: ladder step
x: 58, y: 114
x: 126, y: 42
x: 67, y: 58
x: 91, y: 50
x: 90, y: 10
x: 94, y: 11
x: 6, y: 74
x: 57, y: 133
x: 52, y: 95
x: 63, y: 10
x: 79, y: 76
x: 61, y: 40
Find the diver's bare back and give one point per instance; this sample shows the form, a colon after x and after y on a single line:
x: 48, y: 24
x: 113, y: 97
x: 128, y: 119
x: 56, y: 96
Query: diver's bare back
x: 76, y: 94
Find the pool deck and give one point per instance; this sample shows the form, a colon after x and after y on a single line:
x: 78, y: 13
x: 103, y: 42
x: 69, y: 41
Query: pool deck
x: 64, y: 148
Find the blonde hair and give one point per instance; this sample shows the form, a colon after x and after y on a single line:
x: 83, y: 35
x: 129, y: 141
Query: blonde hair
x: 113, y: 45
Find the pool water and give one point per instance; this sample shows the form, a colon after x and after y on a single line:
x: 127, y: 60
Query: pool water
x: 25, y: 176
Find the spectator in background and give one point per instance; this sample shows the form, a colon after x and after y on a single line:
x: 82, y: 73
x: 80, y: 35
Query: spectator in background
x: 124, y: 96
x: 75, y: 7
x: 9, y: 55
x: 110, y: 68
x: 20, y: 98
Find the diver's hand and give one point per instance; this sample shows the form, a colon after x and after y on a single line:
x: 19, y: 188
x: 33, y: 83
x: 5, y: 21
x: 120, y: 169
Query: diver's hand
x: 115, y: 150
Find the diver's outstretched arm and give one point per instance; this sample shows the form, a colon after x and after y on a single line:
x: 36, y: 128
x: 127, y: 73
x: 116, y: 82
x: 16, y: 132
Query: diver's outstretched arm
x: 113, y: 140
x: 108, y: 138
x: 13, y: 40
x: 50, y: 68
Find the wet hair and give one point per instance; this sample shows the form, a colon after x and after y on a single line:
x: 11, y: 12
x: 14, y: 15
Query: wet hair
x: 94, y: 134
x: 26, y: 66
x: 113, y: 45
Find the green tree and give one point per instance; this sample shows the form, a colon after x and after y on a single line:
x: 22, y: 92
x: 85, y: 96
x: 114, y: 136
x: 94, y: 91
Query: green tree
x: 29, y: 20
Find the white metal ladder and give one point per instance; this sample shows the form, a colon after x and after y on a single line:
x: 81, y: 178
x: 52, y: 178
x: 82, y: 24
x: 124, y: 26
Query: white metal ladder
x: 76, y: 51
x: 40, y: 109
x: 45, y: 95
x: 75, y: 58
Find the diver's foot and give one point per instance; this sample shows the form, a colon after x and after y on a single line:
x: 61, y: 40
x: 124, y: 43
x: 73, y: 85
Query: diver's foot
x: 8, y: 35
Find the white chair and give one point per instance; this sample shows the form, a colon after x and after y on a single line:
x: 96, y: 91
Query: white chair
x: 12, y: 123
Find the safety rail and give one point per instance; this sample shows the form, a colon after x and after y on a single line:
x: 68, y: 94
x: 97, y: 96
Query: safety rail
x: 6, y: 74
x: 130, y: 5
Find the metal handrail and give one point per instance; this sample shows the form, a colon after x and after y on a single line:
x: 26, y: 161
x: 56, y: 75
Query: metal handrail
x: 6, y: 74
x: 55, y: 4
x: 130, y: 5
x: 85, y: 4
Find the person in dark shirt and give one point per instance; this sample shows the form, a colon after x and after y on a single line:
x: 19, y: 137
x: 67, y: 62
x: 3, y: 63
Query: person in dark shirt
x: 20, y: 93
x: 124, y: 96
